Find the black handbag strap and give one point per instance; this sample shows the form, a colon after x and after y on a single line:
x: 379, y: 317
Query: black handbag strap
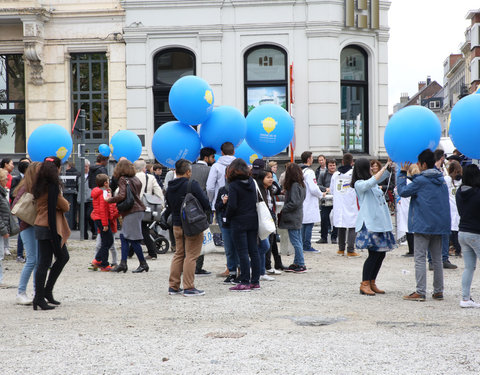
x: 146, y: 184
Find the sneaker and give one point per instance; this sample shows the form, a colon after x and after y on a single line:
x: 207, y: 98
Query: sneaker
x: 202, y: 273
x: 7, y: 252
x: 312, y: 250
x: 321, y: 240
x: 193, y: 292
x: 300, y: 269
x: 172, y: 292
x: 334, y: 241
x: 20, y: 259
x: 408, y: 255
x: 230, y: 279
x: 449, y: 265
x: 254, y: 286
x: 266, y: 278
x: 415, y: 297
x: 273, y: 271
x: 353, y: 254
x: 438, y: 296
x: 291, y: 268
x: 96, y: 263
x: 241, y: 288
x: 469, y: 303
x: 106, y: 269
x: 340, y: 252
x: 151, y: 257
x: 22, y: 299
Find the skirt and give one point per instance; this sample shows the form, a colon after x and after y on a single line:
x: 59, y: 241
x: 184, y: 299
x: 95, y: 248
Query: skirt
x: 132, y: 226
x: 375, y: 241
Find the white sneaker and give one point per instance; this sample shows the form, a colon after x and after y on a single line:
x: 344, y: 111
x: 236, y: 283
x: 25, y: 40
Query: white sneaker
x: 273, y: 271
x: 266, y: 278
x: 7, y: 252
x: 22, y: 299
x: 469, y: 303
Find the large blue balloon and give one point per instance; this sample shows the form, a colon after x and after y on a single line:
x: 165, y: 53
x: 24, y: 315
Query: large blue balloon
x: 410, y: 131
x: 104, y: 149
x: 269, y: 129
x: 50, y: 140
x: 173, y: 141
x: 191, y: 100
x: 126, y: 143
x: 225, y: 124
x: 245, y: 152
x: 465, y: 126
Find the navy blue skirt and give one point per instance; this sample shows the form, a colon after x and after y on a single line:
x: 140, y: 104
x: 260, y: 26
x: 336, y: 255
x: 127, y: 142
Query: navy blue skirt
x: 375, y: 241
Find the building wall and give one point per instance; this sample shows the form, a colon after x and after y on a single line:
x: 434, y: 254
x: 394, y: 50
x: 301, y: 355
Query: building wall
x: 312, y: 32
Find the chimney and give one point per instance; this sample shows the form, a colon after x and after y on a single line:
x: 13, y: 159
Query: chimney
x: 404, y: 98
x: 421, y: 85
x: 429, y: 80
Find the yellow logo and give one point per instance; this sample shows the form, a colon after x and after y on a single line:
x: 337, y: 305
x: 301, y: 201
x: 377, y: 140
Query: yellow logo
x: 208, y: 97
x: 269, y: 124
x: 61, y: 152
x: 253, y: 158
x: 111, y: 149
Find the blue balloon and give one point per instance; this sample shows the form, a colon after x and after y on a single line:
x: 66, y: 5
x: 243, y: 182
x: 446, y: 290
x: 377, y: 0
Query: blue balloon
x: 104, y: 149
x: 173, y: 141
x: 50, y: 140
x: 245, y: 152
x: 465, y: 126
x: 191, y: 100
x: 269, y: 129
x: 225, y: 124
x: 126, y: 143
x: 410, y: 131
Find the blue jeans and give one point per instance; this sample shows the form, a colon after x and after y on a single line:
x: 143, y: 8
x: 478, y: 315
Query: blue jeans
x: 470, y: 243
x: 106, y: 243
x: 445, y: 246
x: 230, y: 253
x: 307, y: 236
x: 295, y: 236
x: 246, y: 246
x: 30, y: 245
x: 263, y: 247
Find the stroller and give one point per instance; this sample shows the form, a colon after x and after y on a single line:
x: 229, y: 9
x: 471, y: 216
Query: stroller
x: 152, y: 216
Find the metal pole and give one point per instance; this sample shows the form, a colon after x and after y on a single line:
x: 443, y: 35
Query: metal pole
x: 81, y: 155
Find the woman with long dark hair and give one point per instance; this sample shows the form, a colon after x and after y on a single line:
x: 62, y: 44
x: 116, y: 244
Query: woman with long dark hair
x: 131, y: 234
x: 292, y: 213
x: 241, y: 214
x: 374, y: 225
x: 51, y: 230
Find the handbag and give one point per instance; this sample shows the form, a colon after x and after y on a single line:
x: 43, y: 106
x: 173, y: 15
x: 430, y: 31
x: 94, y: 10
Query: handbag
x: 266, y: 225
x: 14, y: 227
x: 153, y: 205
x: 128, y: 202
x: 25, y: 208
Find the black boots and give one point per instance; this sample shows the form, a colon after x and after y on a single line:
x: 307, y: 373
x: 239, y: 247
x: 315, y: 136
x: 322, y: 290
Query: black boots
x: 142, y: 267
x: 50, y: 299
x: 42, y: 304
x: 122, y: 267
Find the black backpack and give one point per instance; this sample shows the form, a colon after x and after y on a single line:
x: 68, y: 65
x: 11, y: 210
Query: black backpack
x: 194, y: 218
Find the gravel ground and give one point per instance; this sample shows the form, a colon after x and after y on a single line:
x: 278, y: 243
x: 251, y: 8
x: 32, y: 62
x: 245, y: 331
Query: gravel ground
x: 312, y: 323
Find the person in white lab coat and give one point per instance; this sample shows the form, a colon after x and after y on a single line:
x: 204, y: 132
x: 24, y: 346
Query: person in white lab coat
x: 345, y: 207
x: 311, y: 210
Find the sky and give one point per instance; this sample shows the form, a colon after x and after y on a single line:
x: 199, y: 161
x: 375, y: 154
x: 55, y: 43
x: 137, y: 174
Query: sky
x: 423, y: 33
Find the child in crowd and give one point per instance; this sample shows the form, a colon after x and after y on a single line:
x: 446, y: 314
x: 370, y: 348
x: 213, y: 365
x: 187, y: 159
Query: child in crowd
x: 104, y: 215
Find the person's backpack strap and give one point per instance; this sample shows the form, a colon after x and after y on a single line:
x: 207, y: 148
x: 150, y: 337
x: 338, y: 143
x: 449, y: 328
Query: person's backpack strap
x: 146, y: 184
x: 189, y: 186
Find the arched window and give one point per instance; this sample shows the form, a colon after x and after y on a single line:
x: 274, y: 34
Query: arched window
x: 265, y: 75
x: 354, y: 88
x: 168, y: 66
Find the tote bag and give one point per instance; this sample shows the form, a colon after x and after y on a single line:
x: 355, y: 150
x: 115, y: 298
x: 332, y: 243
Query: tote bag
x: 208, y: 245
x: 266, y: 225
x: 25, y: 208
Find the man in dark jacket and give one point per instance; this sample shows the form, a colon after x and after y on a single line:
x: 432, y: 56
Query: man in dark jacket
x: 428, y: 219
x: 325, y: 206
x: 188, y: 248
x: 100, y: 167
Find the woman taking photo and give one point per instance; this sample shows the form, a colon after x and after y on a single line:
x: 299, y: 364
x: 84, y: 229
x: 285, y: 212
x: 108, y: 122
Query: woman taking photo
x: 292, y: 213
x: 131, y: 234
x: 468, y: 204
x: 27, y: 234
x: 241, y: 215
x: 373, y: 226
x: 51, y: 230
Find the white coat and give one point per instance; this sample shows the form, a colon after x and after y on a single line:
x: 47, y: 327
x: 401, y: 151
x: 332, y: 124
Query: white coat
x: 311, y: 209
x: 152, y: 187
x: 345, y: 208
x: 403, y: 205
x: 452, y: 190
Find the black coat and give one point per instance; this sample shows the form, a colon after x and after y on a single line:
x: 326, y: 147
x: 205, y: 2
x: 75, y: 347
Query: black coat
x: 242, y: 205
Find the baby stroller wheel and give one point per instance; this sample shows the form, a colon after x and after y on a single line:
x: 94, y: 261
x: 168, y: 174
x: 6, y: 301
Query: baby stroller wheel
x: 161, y: 245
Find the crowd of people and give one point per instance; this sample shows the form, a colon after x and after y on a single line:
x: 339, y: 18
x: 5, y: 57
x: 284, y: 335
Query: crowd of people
x: 436, y: 202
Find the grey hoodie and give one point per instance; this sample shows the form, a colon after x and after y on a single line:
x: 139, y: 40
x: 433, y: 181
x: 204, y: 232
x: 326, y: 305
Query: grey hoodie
x: 216, y: 177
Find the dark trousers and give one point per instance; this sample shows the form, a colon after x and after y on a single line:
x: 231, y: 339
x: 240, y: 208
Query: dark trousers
x: 325, y: 224
x: 106, y: 244
x: 135, y: 245
x: 71, y: 215
x: 273, y: 251
x: 45, y: 252
x: 372, y: 265
x: 410, y: 243
x: 87, y: 221
x: 348, y: 235
x: 247, y: 249
x: 199, y: 265
x: 454, y: 241
x: 148, y: 240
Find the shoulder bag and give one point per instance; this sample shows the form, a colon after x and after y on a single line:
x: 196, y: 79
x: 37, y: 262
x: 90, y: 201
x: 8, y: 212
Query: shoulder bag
x: 128, y: 202
x: 25, y: 208
x: 266, y: 225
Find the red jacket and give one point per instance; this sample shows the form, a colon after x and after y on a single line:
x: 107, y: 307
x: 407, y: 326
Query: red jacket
x: 103, y: 211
